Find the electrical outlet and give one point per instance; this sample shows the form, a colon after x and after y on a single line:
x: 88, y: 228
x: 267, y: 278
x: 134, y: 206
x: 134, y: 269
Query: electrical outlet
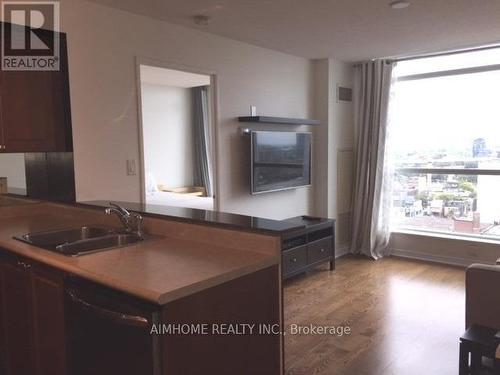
x: 131, y: 170
x: 253, y: 110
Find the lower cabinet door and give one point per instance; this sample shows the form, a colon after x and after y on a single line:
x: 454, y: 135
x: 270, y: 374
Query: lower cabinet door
x: 48, y: 322
x: 31, y: 319
x: 17, y: 318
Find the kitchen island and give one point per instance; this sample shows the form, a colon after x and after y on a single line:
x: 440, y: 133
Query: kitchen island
x: 136, y: 301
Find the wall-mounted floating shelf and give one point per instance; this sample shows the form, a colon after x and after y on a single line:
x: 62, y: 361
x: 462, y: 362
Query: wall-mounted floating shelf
x: 278, y: 120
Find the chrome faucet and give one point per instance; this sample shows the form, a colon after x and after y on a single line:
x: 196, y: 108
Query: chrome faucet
x: 132, y: 222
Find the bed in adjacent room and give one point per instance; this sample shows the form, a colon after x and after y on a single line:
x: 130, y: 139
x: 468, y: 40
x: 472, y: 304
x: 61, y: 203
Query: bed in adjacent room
x: 165, y: 198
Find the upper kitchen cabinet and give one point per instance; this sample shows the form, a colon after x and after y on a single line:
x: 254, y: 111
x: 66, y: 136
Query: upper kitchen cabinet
x: 35, y: 111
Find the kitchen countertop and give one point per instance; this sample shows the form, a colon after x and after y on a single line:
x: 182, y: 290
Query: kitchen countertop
x: 8, y: 200
x: 205, y: 217
x: 158, y: 270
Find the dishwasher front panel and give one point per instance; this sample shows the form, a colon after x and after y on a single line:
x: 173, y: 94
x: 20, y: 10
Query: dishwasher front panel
x: 108, y: 333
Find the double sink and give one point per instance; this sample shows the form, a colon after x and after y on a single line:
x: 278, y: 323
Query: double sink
x: 80, y: 241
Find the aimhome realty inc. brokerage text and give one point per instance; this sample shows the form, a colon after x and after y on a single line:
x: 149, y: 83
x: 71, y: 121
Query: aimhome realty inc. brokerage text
x: 246, y: 329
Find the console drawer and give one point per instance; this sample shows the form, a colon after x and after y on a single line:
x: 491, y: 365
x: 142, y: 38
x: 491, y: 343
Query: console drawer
x: 294, y: 259
x: 319, y: 250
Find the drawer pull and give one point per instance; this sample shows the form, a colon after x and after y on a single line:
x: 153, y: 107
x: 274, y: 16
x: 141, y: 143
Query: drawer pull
x: 24, y: 265
x: 322, y: 250
x: 294, y: 260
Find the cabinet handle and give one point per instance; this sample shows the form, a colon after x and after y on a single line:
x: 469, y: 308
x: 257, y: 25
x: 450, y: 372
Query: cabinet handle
x: 24, y: 265
x: 322, y: 250
x: 294, y: 260
x: 118, y: 317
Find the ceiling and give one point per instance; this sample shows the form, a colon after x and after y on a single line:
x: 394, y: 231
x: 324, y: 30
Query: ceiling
x: 169, y: 77
x: 349, y: 30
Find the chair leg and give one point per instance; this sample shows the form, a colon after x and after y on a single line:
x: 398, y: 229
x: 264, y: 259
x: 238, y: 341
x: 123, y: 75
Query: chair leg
x: 464, y: 360
x: 476, y: 362
x: 496, y: 363
x: 496, y: 367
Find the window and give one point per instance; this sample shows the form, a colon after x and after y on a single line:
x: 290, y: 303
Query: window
x: 444, y: 141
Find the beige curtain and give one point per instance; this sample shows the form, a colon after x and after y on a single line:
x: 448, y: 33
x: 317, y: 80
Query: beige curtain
x: 371, y: 203
x: 201, y: 122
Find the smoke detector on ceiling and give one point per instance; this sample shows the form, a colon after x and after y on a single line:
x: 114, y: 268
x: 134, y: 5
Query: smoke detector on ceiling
x: 399, y: 4
x: 201, y: 19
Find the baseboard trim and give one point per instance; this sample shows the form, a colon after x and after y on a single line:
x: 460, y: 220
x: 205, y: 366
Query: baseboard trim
x: 341, y: 250
x: 453, y: 261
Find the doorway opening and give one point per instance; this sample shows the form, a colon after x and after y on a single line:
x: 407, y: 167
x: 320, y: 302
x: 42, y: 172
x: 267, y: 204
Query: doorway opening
x: 177, y: 138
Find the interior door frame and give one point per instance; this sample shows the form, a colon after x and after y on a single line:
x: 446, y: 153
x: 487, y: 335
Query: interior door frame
x: 214, y: 111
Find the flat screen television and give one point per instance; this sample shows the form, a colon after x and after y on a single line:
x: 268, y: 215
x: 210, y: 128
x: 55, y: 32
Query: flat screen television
x: 280, y: 160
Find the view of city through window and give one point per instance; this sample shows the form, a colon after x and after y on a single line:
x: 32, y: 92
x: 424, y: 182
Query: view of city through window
x: 444, y: 143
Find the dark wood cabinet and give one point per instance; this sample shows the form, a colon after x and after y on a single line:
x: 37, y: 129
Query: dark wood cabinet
x: 109, y: 332
x: 48, y: 321
x: 50, y: 176
x: 253, y: 299
x: 35, y: 109
x: 17, y: 318
x: 305, y: 248
x: 52, y: 323
x: 32, y: 318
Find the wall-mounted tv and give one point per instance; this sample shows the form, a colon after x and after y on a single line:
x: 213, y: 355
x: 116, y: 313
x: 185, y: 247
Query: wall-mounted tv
x: 280, y: 160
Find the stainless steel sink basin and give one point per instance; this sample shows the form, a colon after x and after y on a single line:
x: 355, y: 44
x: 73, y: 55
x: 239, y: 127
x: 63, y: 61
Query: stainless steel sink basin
x: 97, y: 244
x: 51, y: 239
x: 79, y: 241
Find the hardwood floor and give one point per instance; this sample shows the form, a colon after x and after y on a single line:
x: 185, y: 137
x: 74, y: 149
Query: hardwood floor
x: 405, y: 317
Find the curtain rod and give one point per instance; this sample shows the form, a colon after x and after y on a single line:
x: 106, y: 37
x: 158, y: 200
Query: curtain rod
x: 436, y: 54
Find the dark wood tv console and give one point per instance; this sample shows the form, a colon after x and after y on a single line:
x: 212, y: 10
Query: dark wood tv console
x: 305, y: 248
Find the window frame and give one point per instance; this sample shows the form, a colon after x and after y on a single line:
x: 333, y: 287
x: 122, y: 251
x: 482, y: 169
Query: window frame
x: 448, y: 73
x: 447, y: 171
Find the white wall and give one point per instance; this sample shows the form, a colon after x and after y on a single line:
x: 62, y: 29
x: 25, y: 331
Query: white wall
x: 340, y: 157
x: 168, y: 134
x: 322, y: 111
x: 334, y: 142
x: 103, y: 45
x: 12, y: 166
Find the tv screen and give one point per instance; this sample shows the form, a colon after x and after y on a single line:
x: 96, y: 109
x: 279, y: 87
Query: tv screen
x: 280, y: 160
